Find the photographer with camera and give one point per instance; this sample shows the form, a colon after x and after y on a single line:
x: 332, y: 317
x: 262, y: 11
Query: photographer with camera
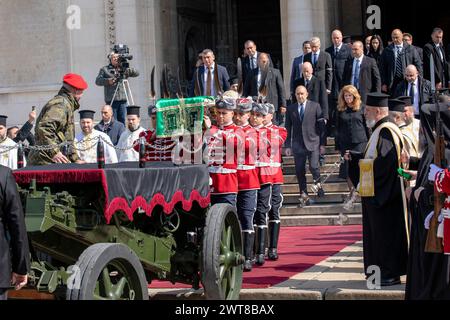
x: 113, y: 78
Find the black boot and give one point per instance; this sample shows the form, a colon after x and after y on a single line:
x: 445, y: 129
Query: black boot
x: 274, y: 232
x: 249, y: 239
x: 260, y: 246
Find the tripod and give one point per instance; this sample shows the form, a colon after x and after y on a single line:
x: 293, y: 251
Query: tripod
x: 126, y: 88
x: 119, y: 114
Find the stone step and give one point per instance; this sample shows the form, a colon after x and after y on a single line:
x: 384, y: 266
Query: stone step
x: 341, y: 187
x: 292, y: 179
x: 330, y: 197
x: 318, y: 209
x: 326, y: 168
x: 321, y: 220
x: 329, y: 158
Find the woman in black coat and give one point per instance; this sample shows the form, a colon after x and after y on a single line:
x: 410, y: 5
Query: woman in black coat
x: 376, y: 49
x: 351, y: 134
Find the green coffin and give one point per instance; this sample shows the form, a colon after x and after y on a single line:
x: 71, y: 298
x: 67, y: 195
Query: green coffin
x: 177, y: 117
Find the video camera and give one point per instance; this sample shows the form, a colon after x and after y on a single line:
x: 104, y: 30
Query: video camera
x: 124, y: 55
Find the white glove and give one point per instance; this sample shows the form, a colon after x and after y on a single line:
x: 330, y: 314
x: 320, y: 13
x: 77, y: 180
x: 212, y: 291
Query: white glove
x: 434, y: 169
x: 426, y: 223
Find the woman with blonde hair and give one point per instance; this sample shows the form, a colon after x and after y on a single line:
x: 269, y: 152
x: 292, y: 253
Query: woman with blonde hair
x: 351, y: 134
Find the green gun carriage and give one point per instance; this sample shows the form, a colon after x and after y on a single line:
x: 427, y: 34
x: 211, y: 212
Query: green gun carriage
x: 108, y: 233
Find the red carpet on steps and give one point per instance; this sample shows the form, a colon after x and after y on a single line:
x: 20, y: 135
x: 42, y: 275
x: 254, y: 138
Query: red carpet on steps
x: 299, y: 249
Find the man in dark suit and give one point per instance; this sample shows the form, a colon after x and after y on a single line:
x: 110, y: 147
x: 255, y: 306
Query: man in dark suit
x: 210, y: 79
x: 297, y: 68
x: 321, y: 62
x: 317, y: 92
x: 408, y: 38
x: 435, y: 48
x: 250, y: 61
x: 362, y: 72
x: 416, y: 87
x: 306, y: 140
x: 14, y: 251
x: 109, y: 125
x: 339, y: 53
x: 267, y: 81
x: 394, y: 59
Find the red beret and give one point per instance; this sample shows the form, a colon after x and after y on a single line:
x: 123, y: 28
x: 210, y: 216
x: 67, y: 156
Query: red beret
x: 75, y: 80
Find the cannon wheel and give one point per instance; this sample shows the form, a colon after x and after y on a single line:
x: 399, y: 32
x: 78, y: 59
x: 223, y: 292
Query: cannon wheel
x: 107, y: 271
x: 222, y: 254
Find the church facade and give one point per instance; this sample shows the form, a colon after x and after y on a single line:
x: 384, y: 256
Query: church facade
x: 43, y: 40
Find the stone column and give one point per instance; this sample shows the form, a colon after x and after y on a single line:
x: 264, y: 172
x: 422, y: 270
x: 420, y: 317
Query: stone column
x: 301, y: 20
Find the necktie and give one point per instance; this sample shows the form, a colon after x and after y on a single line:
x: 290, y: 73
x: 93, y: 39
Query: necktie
x: 106, y: 127
x: 208, y: 82
x: 302, y: 111
x: 398, y: 64
x: 356, y: 75
x: 412, y: 93
x: 306, y: 83
x: 315, y: 59
x: 253, y: 62
x: 336, y: 52
x: 438, y: 47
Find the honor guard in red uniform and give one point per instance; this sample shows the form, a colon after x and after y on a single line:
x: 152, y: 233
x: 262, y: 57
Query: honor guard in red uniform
x: 222, y: 154
x: 277, y: 138
x: 247, y: 174
x: 259, y: 111
x: 156, y: 149
x: 441, y: 179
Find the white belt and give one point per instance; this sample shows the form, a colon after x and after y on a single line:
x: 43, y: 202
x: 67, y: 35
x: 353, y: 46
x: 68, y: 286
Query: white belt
x: 262, y: 164
x: 244, y: 167
x: 221, y: 170
x: 275, y: 164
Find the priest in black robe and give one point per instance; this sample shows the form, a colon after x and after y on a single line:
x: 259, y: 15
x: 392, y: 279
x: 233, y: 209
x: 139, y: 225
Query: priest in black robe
x: 384, y: 229
x: 427, y: 272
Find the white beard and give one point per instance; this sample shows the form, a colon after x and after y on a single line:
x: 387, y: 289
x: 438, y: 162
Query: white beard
x: 370, y: 123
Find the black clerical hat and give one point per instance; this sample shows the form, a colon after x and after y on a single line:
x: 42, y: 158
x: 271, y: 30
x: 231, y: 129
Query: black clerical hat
x: 3, y: 120
x: 376, y: 99
x: 396, y: 105
x: 86, y: 114
x: 347, y: 39
x: 133, y: 110
x: 406, y: 100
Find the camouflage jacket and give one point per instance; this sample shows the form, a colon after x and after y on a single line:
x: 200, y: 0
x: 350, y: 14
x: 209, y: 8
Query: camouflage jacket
x: 55, y: 125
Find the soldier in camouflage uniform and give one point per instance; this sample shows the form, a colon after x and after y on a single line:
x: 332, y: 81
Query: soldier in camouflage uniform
x: 55, y: 123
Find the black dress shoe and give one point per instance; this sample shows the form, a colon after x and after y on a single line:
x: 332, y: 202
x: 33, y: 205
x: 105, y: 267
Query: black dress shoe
x: 390, y: 282
x: 273, y: 254
x: 248, y: 265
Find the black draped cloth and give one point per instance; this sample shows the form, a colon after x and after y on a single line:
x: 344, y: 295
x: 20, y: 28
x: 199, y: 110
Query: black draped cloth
x: 127, y: 187
x: 427, y: 272
x: 384, y: 232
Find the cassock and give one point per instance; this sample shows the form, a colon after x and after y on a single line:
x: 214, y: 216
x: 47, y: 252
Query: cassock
x: 427, y: 272
x: 9, y: 158
x: 384, y: 232
x: 127, y: 139
x: 89, y: 142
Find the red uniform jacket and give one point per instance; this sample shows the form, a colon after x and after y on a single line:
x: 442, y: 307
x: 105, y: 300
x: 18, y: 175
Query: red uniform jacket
x: 157, y: 150
x: 278, y: 137
x: 247, y: 172
x: 265, y: 171
x: 222, y: 159
x: 442, y: 184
